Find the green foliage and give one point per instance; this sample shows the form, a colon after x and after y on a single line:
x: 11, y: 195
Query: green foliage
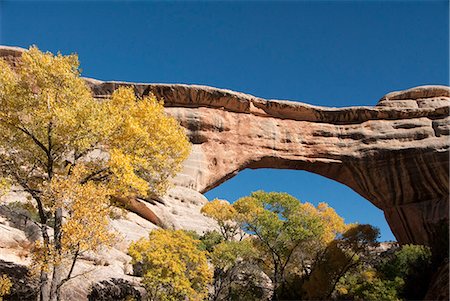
x: 173, y: 266
x: 230, y: 281
x: 280, y: 224
x: 408, y: 260
x: 25, y: 208
x: 359, y: 238
x: 286, y: 234
x: 210, y: 239
x: 411, y: 263
x: 368, y: 286
x: 308, y: 252
x: 340, y: 256
x: 194, y: 235
x: 226, y: 254
x: 278, y: 221
x: 403, y: 275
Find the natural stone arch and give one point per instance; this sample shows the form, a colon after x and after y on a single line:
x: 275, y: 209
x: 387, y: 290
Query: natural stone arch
x: 395, y: 154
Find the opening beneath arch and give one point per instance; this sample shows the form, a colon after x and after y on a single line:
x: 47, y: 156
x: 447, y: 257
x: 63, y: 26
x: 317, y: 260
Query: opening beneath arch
x: 307, y: 187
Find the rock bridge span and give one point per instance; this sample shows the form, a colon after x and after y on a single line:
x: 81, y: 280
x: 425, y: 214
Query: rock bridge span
x: 396, y: 154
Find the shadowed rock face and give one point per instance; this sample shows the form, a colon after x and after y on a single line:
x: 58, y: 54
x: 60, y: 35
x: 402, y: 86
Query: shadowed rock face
x: 395, y: 154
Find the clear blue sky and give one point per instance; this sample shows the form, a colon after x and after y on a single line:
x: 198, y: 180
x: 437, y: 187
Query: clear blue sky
x: 337, y: 53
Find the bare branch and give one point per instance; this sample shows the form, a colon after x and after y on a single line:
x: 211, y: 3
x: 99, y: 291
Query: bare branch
x: 38, y: 143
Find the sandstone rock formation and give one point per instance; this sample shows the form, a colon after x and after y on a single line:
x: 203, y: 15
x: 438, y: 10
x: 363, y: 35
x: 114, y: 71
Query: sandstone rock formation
x: 395, y: 154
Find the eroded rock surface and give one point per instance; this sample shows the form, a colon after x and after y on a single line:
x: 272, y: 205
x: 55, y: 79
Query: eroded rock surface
x: 395, y: 154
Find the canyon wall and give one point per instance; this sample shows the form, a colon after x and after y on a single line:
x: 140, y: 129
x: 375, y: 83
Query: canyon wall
x: 395, y: 154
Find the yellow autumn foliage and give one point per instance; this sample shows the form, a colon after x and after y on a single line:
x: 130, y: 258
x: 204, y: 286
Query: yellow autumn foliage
x: 71, y: 153
x: 288, y: 235
x: 5, y: 286
x: 225, y: 215
x: 174, y: 268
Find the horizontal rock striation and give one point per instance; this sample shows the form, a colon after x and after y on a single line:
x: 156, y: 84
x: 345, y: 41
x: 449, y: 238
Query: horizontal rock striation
x: 395, y: 154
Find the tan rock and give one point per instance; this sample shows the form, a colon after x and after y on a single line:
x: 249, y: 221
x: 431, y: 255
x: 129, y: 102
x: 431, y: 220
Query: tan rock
x: 396, y: 154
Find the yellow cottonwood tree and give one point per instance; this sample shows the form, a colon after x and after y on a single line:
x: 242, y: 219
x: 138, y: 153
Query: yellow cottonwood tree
x: 225, y: 215
x: 72, y: 153
x: 174, y: 268
x: 287, y: 235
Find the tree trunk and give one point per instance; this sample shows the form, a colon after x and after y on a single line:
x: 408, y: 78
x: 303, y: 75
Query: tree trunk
x: 275, y: 282
x: 57, y: 266
x: 44, y: 283
x: 56, y: 280
x: 44, y: 287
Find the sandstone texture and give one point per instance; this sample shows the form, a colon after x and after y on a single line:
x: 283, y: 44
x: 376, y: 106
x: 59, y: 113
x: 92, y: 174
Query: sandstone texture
x: 395, y: 154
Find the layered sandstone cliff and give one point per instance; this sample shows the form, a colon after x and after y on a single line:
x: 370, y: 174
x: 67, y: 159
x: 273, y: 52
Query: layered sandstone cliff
x: 395, y: 154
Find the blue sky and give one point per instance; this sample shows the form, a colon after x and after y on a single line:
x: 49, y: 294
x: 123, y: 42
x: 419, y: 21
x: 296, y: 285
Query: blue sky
x: 335, y: 53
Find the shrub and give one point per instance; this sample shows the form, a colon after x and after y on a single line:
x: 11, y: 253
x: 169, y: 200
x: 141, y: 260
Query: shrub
x: 174, y: 268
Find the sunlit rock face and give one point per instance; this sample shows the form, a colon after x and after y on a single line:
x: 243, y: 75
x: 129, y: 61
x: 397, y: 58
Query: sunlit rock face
x: 395, y: 154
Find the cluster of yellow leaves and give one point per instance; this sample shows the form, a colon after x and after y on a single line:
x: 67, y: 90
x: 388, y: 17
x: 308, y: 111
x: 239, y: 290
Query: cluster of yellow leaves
x: 333, y: 224
x: 225, y: 215
x: 155, y: 144
x: 5, y: 286
x: 220, y: 210
x: 85, y: 226
x: 86, y: 209
x: 5, y: 185
x: 72, y: 152
x: 43, y: 258
x: 174, y: 267
x: 47, y: 110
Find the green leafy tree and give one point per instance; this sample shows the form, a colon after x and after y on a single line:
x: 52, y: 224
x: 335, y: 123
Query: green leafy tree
x: 337, y: 259
x: 305, y: 250
x: 367, y: 285
x: 279, y: 224
x: 226, y: 258
x: 402, y: 276
x: 210, y: 239
x: 412, y: 264
x: 72, y: 153
x: 174, y: 268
